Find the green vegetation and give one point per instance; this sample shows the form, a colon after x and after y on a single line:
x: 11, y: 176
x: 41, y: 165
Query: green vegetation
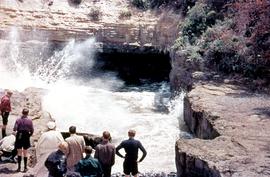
x: 227, y: 41
x: 142, y: 4
x: 146, y: 4
x: 199, y: 18
x: 125, y: 14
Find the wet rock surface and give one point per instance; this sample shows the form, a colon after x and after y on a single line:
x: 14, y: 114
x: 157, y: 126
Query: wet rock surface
x: 240, y: 120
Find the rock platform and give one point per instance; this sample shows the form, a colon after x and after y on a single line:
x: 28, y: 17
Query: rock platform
x: 232, y: 129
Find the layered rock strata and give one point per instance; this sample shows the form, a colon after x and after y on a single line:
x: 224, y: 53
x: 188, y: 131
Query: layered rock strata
x: 61, y: 22
x: 238, y: 120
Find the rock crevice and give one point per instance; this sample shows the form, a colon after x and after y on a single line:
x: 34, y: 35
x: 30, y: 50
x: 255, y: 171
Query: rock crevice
x: 198, y: 121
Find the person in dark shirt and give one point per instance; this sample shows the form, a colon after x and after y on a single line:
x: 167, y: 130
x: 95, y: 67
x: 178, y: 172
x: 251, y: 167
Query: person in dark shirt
x: 89, y: 166
x: 24, y: 129
x: 105, y: 153
x: 56, y: 162
x: 5, y: 109
x: 131, y: 147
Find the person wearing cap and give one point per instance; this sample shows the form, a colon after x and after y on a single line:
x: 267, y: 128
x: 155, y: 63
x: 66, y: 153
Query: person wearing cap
x: 131, y: 147
x: 24, y: 130
x: 47, y: 143
x: 56, y: 163
x: 89, y: 166
x: 105, y: 153
x: 5, y: 108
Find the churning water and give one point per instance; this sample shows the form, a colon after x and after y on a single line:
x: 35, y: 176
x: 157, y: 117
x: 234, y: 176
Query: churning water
x: 95, y: 104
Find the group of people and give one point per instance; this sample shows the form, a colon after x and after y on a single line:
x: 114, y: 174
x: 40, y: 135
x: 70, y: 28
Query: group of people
x: 59, y: 157
x: 69, y: 157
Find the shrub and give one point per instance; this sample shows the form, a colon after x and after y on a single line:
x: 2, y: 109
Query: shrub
x: 76, y: 2
x: 236, y: 44
x: 145, y: 4
x: 229, y: 55
x: 125, y: 14
x: 192, y: 53
x: 181, y: 43
x: 199, y: 18
x: 141, y: 4
x: 95, y: 13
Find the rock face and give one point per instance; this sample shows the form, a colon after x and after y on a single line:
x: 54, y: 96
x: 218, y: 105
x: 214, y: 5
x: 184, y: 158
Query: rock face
x: 62, y: 21
x: 181, y: 77
x: 238, y: 120
x: 199, y: 121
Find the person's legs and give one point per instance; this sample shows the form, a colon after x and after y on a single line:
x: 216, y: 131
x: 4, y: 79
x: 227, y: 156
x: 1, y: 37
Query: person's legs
x: 5, y: 121
x: 106, y: 170
x: 1, y: 153
x: 13, y: 153
x: 25, y: 156
x: 134, y: 168
x: 126, y: 167
x: 19, y: 159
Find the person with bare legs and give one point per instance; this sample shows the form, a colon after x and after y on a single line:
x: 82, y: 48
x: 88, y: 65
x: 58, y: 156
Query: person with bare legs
x: 24, y: 130
x: 5, y: 109
x: 131, y: 147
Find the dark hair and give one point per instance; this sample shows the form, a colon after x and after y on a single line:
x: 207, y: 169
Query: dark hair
x: 25, y: 111
x: 72, y: 129
x: 88, y: 149
x: 106, y: 135
x: 73, y: 174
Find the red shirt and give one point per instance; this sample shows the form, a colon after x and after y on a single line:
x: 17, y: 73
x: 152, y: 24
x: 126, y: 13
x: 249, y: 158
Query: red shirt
x: 5, y: 104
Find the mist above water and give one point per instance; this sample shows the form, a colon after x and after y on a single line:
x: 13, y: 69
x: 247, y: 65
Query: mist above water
x: 95, y: 104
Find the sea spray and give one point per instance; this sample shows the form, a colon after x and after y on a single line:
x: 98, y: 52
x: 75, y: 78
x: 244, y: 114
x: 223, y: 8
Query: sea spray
x: 97, y: 103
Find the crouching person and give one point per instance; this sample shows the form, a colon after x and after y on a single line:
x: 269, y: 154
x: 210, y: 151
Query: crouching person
x: 89, y: 166
x: 56, y: 163
x: 7, y: 147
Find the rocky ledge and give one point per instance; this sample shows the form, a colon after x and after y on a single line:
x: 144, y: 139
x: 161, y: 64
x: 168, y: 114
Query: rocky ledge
x: 234, y: 124
x: 31, y: 98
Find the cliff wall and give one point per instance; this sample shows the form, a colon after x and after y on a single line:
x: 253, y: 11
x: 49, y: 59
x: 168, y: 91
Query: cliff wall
x: 116, y: 23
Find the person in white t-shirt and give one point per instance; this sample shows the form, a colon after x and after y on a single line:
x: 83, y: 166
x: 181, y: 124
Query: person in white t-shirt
x: 7, y: 147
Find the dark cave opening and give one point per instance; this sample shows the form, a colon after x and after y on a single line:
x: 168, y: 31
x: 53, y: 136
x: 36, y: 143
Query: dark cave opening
x: 135, y: 68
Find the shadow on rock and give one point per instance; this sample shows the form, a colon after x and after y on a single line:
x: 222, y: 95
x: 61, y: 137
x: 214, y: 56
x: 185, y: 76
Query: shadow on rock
x: 6, y: 170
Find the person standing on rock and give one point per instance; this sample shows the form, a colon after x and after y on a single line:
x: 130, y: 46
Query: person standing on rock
x: 89, y: 166
x: 47, y: 143
x: 5, y: 108
x: 24, y: 130
x: 131, y: 147
x: 105, y: 153
x: 76, y: 145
